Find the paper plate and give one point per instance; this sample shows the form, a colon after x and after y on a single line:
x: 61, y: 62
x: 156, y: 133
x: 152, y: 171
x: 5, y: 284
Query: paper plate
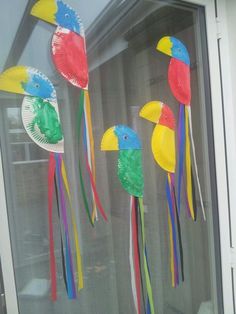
x: 27, y: 81
x: 163, y: 147
x: 179, y: 81
x: 70, y: 57
x: 42, y: 123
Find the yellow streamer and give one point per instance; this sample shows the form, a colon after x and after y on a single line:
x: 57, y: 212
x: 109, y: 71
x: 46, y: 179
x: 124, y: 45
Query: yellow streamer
x: 76, y: 236
x: 87, y: 108
x: 188, y: 166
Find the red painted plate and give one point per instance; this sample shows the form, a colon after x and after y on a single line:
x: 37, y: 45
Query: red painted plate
x: 179, y: 81
x: 69, y: 56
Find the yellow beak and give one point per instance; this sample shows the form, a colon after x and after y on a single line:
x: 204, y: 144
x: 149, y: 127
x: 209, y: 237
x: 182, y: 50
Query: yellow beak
x: 12, y: 79
x: 165, y: 45
x: 109, y: 140
x: 151, y: 111
x: 45, y: 10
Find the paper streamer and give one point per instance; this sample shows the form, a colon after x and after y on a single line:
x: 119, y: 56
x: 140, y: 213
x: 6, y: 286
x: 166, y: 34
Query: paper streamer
x: 75, y: 231
x: 69, y: 262
x: 195, y: 162
x: 51, y: 173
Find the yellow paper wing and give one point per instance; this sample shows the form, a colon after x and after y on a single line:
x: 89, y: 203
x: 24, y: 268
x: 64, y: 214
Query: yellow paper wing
x: 163, y: 147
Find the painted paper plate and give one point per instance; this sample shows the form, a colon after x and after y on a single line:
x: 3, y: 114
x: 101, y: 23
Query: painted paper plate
x: 27, y: 81
x: 163, y: 147
x: 70, y: 57
x: 179, y: 81
x: 42, y: 123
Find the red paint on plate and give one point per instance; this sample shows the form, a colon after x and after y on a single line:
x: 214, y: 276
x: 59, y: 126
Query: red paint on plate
x: 69, y: 57
x: 179, y: 81
x: 167, y: 117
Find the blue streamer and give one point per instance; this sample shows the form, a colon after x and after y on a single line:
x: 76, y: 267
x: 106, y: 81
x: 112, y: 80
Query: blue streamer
x: 148, y: 308
x: 172, y: 216
x: 181, y: 134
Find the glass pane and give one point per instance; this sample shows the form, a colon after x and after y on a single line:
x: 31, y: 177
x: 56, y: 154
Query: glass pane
x: 126, y: 71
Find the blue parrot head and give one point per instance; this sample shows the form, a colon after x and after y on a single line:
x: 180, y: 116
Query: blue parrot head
x: 27, y: 81
x: 38, y: 85
x: 58, y: 13
x: 120, y: 137
x: 174, y: 48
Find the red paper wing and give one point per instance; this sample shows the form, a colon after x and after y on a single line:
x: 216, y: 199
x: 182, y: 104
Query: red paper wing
x: 70, y: 58
x: 179, y: 81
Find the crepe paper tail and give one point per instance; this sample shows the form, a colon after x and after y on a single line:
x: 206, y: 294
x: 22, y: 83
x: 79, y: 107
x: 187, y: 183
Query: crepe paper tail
x: 188, y: 165
x: 173, y: 195
x: 194, y: 197
x: 150, y: 304
x: 85, y: 151
x: 148, y: 308
x: 68, y: 254
x: 73, y: 221
x: 173, y: 237
x: 84, y: 196
x: 61, y: 235
x: 90, y: 147
x: 51, y: 174
x: 134, y: 258
x: 181, y: 144
x: 188, y: 109
x: 96, y: 198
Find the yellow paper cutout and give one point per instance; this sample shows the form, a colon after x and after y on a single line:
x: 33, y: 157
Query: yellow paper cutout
x: 45, y: 10
x: 163, y: 147
x: 151, y: 111
x: 164, y: 45
x: 11, y: 80
x: 109, y: 140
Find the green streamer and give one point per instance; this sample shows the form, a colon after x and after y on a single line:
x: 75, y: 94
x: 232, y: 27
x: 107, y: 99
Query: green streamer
x: 146, y: 271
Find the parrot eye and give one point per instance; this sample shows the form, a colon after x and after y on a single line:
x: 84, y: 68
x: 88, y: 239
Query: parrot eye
x: 125, y: 137
x: 67, y: 15
x: 36, y: 85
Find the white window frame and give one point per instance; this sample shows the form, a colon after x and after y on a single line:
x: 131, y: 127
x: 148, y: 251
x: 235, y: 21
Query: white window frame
x: 221, y: 93
x: 224, y: 159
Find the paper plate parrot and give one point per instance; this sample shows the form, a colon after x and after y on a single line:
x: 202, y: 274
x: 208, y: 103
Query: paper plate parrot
x: 130, y: 173
x: 179, y: 81
x: 70, y: 59
x: 42, y: 123
x: 163, y: 149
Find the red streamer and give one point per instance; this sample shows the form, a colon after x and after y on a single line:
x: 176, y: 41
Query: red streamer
x: 136, y: 254
x: 51, y: 173
x: 97, y: 200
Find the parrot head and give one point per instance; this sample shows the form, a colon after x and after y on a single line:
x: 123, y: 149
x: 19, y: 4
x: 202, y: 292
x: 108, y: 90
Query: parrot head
x: 27, y: 81
x: 58, y: 13
x: 120, y: 137
x: 163, y: 136
x: 158, y: 112
x: 174, y: 48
